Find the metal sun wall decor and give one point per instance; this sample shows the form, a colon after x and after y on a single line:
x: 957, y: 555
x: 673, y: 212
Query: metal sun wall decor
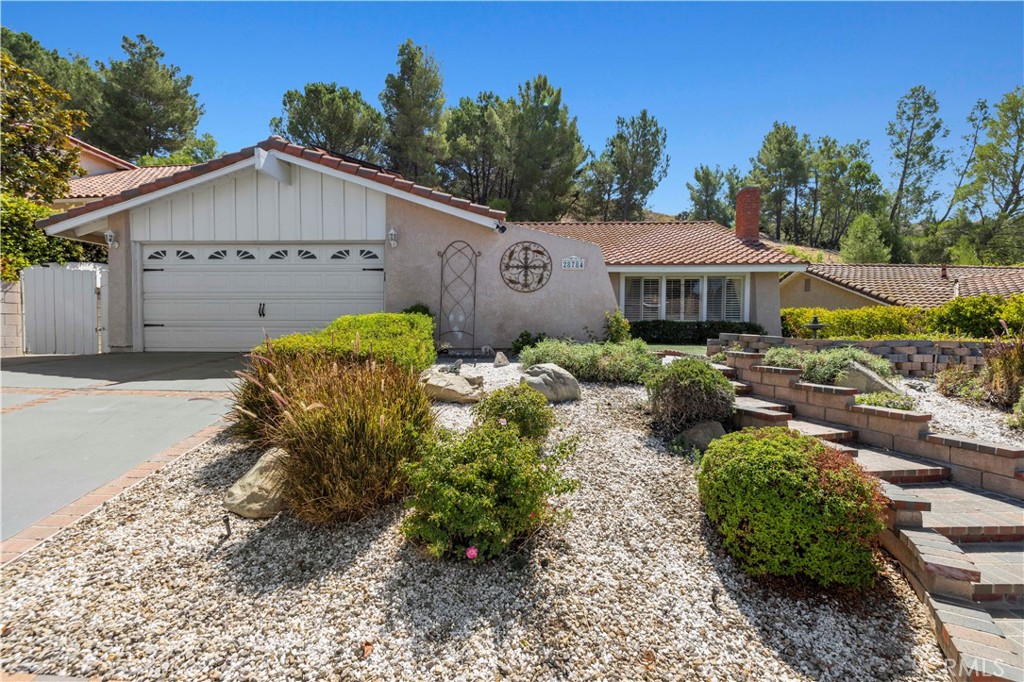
x: 526, y: 266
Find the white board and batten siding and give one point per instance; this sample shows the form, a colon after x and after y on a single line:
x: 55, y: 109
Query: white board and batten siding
x: 250, y: 206
x: 62, y: 308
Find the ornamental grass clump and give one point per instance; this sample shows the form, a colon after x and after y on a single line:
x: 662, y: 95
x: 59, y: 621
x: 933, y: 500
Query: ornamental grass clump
x: 686, y: 392
x: 827, y: 366
x: 599, y: 362
x: 346, y: 429
x: 893, y: 401
x: 787, y: 505
x: 474, y: 494
x: 519, y: 406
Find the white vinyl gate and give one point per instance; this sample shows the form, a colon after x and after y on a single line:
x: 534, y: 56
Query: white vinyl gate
x: 62, y: 306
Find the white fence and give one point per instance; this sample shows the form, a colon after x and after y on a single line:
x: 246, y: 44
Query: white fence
x: 62, y: 308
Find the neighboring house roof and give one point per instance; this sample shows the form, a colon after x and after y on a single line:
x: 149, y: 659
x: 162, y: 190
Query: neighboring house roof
x: 278, y: 144
x: 921, y: 285
x: 676, y: 243
x: 120, y: 164
x: 109, y: 184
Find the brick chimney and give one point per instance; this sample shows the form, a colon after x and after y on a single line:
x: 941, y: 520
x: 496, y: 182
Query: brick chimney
x: 748, y: 214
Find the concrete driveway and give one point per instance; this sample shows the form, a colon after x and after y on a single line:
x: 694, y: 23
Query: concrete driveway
x: 72, y: 424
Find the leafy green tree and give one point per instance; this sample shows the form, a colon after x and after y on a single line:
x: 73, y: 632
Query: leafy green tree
x: 637, y: 153
x: 863, y: 242
x: 332, y: 117
x: 38, y: 161
x: 844, y: 186
x: 72, y: 74
x: 199, y: 150
x: 413, y: 102
x: 994, y: 189
x: 23, y: 244
x: 713, y: 194
x: 782, y: 166
x: 477, y: 157
x: 148, y: 106
x: 546, y: 153
x: 915, y: 136
x: 977, y: 120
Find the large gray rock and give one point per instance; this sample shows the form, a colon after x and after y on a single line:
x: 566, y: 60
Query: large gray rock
x: 864, y: 380
x: 701, y: 435
x: 452, y: 388
x: 257, y: 495
x: 500, y: 360
x: 555, y: 383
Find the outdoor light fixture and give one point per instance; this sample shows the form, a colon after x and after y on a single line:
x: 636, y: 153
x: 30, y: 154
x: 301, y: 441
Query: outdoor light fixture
x: 393, y: 238
x: 500, y: 228
x: 111, y: 239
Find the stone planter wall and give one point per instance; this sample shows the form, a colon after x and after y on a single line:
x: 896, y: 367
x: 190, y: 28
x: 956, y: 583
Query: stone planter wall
x: 991, y: 466
x: 11, y: 320
x: 910, y: 357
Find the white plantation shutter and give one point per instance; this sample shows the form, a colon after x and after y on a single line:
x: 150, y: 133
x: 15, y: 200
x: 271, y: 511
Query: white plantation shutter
x: 691, y: 300
x: 716, y: 303
x: 652, y: 298
x: 633, y: 305
x: 643, y: 298
x: 673, y: 299
x: 733, y: 304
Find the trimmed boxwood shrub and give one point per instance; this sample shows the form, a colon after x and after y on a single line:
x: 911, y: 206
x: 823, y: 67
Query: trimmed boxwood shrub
x: 474, y: 494
x: 975, y: 316
x: 686, y: 392
x: 866, y: 323
x: 346, y: 428
x: 520, y: 406
x: 607, y: 362
x: 675, y: 332
x: 787, y: 505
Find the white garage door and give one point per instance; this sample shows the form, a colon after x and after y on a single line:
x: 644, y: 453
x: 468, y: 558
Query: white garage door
x: 227, y: 297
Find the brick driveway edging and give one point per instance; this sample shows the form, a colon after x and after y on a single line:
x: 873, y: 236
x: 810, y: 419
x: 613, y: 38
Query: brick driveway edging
x: 33, y: 536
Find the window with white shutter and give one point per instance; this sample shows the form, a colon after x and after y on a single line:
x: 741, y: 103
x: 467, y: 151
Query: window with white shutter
x: 725, y: 299
x: 720, y: 297
x: 673, y: 299
x: 691, y: 299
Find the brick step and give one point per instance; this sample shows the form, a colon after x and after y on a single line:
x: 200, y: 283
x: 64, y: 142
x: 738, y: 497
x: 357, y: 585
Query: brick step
x: 746, y: 401
x: 1002, y: 571
x: 965, y: 514
x: 904, y: 506
x: 824, y: 431
x: 740, y: 387
x: 728, y: 371
x: 979, y: 643
x: 898, y: 468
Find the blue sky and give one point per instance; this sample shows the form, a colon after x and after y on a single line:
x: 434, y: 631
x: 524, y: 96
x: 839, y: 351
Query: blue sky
x: 715, y: 75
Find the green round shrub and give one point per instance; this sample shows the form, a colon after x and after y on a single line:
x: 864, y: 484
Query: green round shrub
x: 474, y: 494
x: 686, y: 392
x: 787, y: 505
x: 520, y: 406
x: 976, y: 316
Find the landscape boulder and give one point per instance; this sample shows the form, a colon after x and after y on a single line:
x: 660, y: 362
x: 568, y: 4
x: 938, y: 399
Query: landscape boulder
x: 452, y: 388
x: 700, y: 435
x: 553, y: 382
x: 257, y: 495
x: 865, y: 380
x: 500, y: 360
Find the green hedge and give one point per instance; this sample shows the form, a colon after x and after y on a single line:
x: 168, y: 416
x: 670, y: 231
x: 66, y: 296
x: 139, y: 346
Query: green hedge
x: 969, y: 317
x: 604, y: 362
x: 407, y: 339
x: 687, y: 333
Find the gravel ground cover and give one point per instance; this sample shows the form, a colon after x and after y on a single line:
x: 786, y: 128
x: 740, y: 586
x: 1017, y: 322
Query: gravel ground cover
x: 961, y: 419
x: 634, y: 587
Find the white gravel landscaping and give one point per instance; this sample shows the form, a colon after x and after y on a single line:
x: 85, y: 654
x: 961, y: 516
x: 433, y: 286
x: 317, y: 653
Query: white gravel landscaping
x: 961, y: 419
x: 634, y: 587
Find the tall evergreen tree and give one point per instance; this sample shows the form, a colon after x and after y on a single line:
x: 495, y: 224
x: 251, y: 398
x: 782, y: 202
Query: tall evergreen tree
x: 915, y: 136
x: 413, y: 102
x: 477, y: 157
x: 863, y: 243
x: 781, y: 167
x: 332, y: 117
x: 148, y: 106
x: 713, y: 194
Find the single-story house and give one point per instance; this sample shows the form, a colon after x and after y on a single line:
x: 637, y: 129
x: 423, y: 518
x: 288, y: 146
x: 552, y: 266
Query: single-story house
x: 835, y: 286
x: 277, y: 238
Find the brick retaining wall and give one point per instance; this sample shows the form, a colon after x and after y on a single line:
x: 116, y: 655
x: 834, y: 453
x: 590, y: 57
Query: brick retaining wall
x: 990, y: 466
x: 11, y: 320
x: 910, y: 357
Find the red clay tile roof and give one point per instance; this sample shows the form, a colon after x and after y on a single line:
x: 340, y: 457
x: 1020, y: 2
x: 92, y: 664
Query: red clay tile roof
x: 108, y: 184
x: 278, y: 144
x: 922, y: 285
x: 677, y: 243
x: 124, y: 165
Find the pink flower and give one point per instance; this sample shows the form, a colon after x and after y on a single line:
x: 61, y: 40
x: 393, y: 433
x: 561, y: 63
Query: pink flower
x: 471, y: 553
x: 503, y: 421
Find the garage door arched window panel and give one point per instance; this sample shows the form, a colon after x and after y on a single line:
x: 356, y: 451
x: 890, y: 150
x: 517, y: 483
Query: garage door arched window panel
x: 159, y: 254
x: 457, y: 322
x: 219, y: 254
x: 244, y: 254
x: 279, y: 254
